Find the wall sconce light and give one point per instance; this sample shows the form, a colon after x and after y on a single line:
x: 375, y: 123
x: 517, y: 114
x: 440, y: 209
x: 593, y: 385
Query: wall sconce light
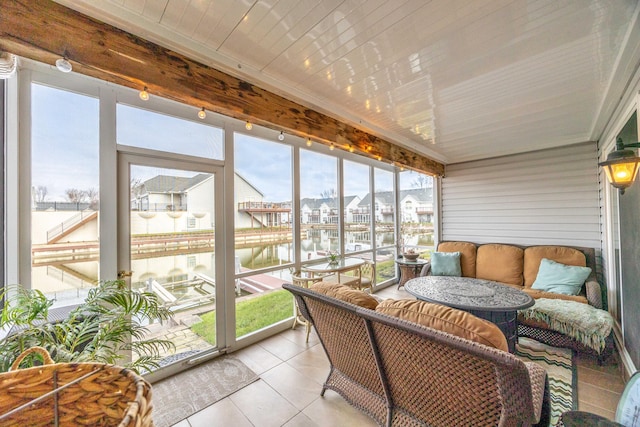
x: 64, y: 65
x: 621, y: 165
x: 248, y: 125
x: 144, y: 95
x: 202, y: 114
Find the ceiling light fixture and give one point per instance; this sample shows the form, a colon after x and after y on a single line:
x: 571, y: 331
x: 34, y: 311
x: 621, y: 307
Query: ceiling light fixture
x: 309, y: 142
x: 144, y: 95
x: 64, y: 65
x: 281, y: 136
x: 248, y: 125
x: 202, y: 114
x: 621, y: 165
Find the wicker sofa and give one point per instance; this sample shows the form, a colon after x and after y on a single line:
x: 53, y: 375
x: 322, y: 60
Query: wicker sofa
x: 401, y: 373
x: 517, y: 266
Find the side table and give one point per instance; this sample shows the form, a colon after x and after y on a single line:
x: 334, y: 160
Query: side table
x: 409, y: 269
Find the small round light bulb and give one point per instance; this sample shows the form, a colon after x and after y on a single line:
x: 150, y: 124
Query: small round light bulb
x: 248, y: 126
x: 144, y: 95
x: 331, y: 147
x: 202, y: 114
x: 281, y: 136
x: 309, y: 142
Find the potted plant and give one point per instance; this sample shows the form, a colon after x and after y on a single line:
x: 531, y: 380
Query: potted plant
x: 108, y: 325
x: 411, y: 255
x: 333, y: 257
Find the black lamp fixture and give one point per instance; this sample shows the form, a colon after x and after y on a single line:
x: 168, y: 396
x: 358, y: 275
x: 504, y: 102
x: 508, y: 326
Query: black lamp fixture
x: 621, y: 165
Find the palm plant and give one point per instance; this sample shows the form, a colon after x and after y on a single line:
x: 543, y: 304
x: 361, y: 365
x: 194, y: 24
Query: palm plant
x: 108, y: 326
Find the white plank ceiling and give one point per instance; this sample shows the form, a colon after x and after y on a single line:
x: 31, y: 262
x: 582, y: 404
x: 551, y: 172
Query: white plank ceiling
x: 456, y: 80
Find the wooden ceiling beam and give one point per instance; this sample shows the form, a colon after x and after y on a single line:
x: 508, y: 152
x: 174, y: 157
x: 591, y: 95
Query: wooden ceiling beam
x: 45, y: 31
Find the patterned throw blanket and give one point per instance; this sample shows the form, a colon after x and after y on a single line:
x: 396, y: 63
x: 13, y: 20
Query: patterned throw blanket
x: 582, y: 322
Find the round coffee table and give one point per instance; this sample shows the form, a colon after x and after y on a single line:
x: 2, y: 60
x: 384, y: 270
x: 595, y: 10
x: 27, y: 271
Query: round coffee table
x: 483, y: 298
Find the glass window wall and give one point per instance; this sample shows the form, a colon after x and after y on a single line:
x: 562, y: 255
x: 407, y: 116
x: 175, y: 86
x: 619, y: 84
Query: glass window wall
x: 65, y: 247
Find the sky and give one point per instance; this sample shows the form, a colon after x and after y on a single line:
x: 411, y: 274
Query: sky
x: 65, y: 132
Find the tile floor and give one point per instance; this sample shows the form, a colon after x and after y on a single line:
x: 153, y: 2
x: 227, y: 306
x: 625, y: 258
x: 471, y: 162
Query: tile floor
x: 292, y: 372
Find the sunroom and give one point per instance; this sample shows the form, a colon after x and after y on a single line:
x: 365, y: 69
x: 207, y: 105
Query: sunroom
x: 208, y: 152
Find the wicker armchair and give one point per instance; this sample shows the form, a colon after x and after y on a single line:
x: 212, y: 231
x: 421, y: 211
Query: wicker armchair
x: 367, y: 276
x: 401, y: 373
x: 299, y: 280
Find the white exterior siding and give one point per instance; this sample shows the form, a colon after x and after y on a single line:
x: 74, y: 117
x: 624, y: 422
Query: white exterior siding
x: 543, y: 197
x: 245, y: 192
x: 349, y: 208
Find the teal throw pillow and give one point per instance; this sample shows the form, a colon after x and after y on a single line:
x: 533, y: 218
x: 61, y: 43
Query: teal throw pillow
x: 445, y: 264
x: 560, y: 278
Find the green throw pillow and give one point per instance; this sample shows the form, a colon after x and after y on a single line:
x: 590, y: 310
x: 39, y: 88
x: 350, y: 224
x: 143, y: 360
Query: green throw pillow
x: 445, y: 264
x: 560, y: 278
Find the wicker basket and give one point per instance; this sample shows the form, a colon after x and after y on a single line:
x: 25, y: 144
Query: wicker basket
x: 73, y: 394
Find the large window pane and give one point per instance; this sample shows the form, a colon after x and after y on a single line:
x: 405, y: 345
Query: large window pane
x: 357, y: 206
x: 65, y: 193
x: 148, y: 129
x: 263, y: 231
x: 416, y: 212
x: 318, y: 205
x: 384, y: 208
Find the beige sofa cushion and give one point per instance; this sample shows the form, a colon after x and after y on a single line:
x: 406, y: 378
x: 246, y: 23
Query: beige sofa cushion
x: 533, y: 256
x: 467, y: 255
x: 345, y: 293
x: 500, y: 263
x: 446, y: 319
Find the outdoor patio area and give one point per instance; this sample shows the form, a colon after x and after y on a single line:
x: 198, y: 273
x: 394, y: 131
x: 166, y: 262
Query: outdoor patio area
x: 292, y: 372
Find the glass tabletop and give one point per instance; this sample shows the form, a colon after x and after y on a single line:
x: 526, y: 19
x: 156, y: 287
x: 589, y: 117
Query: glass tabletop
x: 341, y: 264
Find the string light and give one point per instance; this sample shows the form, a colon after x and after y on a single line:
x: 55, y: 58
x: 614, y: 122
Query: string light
x: 379, y: 157
x: 281, y: 136
x: 202, y: 114
x: 309, y: 142
x: 144, y: 95
x: 331, y: 147
x: 248, y: 125
x: 351, y: 149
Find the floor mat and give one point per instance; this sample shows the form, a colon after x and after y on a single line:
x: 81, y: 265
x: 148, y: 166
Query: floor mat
x: 188, y: 392
x: 561, y: 372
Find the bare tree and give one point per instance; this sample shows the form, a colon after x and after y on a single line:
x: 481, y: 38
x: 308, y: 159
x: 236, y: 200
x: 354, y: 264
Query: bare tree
x: 40, y: 193
x: 92, y: 195
x: 75, y: 196
x: 422, y: 181
x: 329, y: 194
x: 137, y: 188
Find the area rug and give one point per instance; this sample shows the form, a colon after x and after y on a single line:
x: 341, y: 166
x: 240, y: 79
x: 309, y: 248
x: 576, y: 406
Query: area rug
x: 186, y: 393
x: 561, y: 371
